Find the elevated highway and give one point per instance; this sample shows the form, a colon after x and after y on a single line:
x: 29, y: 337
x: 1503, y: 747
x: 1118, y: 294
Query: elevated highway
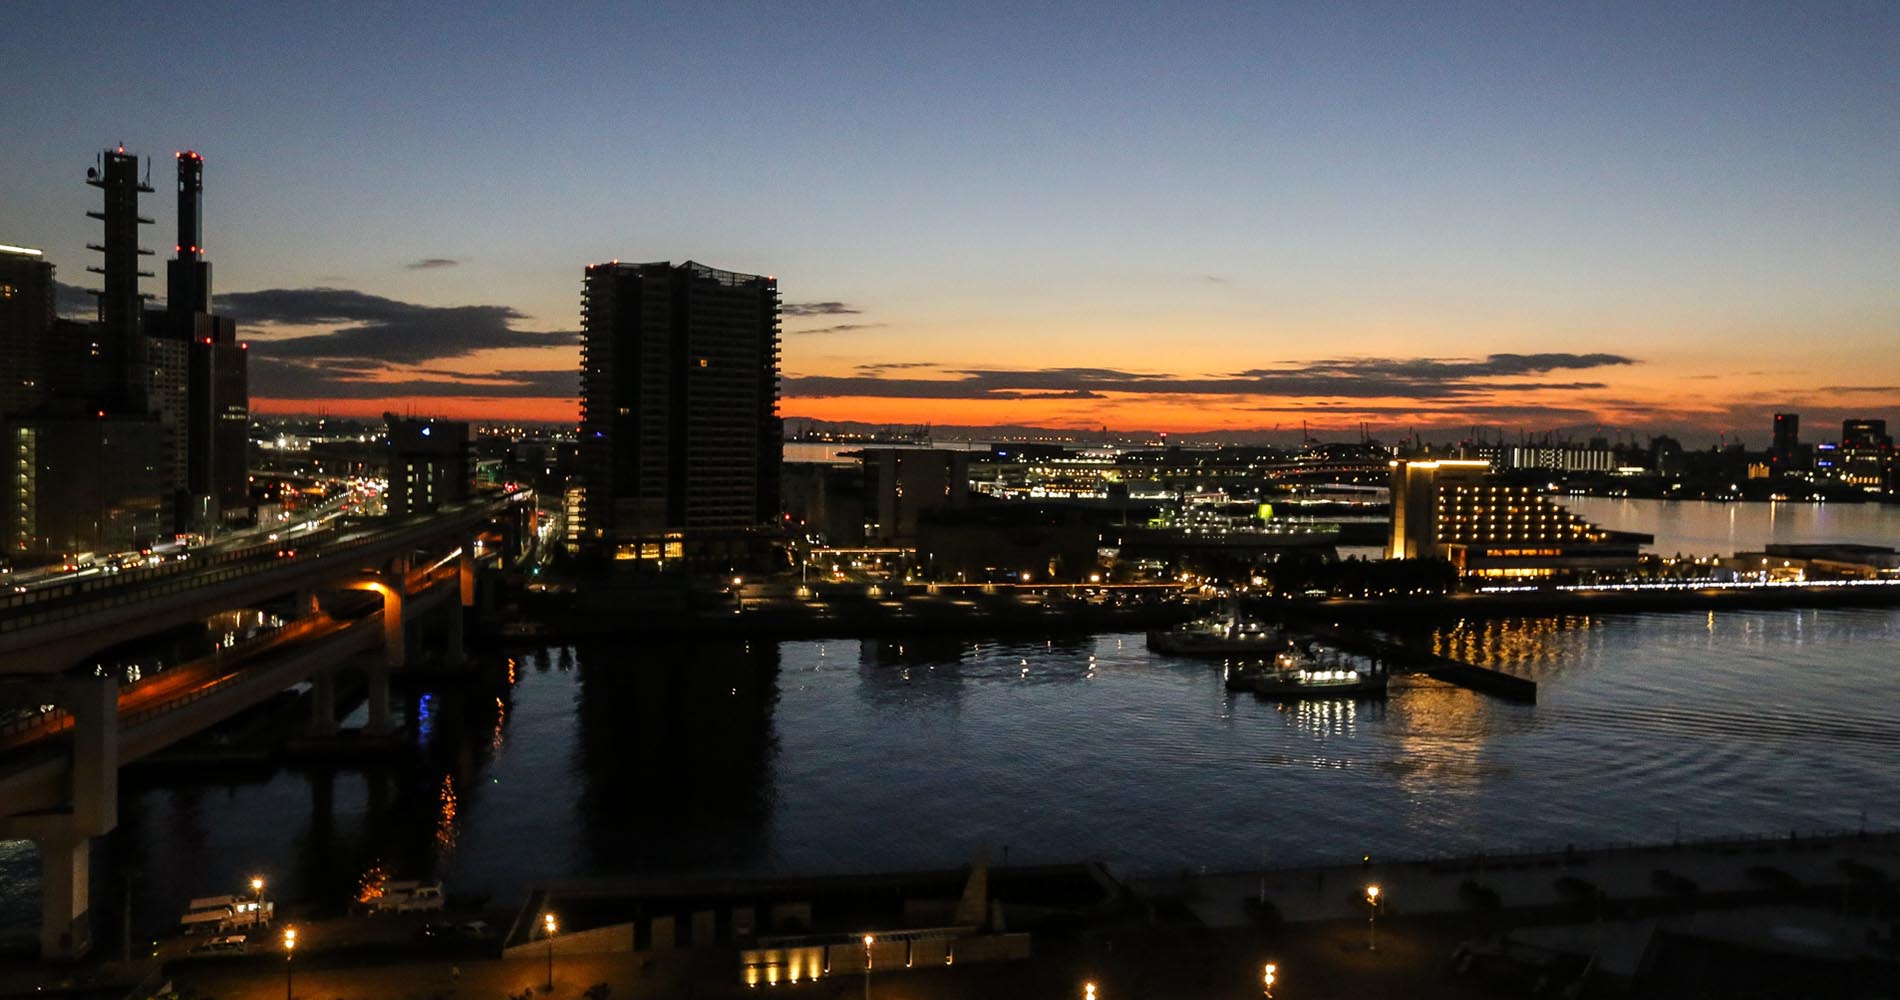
x: 50, y: 630
x: 59, y: 768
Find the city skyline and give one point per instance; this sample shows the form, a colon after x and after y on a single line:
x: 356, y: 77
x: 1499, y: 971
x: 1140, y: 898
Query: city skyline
x: 1665, y: 221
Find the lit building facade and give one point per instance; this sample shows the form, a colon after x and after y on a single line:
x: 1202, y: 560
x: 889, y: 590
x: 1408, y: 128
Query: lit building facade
x: 1454, y: 510
x: 1866, y: 457
x: 428, y: 464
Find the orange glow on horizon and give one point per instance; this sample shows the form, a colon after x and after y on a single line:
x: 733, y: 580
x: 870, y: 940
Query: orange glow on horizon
x: 1175, y: 413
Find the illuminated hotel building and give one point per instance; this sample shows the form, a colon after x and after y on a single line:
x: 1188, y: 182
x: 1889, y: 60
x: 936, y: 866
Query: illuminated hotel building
x: 1454, y: 510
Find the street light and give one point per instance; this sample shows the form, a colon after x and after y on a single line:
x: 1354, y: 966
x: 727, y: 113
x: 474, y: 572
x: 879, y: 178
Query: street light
x: 1372, y: 918
x: 1269, y: 973
x: 547, y: 924
x: 290, y: 953
x: 257, y: 886
x: 1088, y: 991
x: 868, y: 940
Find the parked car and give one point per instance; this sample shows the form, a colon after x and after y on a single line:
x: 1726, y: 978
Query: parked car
x: 229, y: 944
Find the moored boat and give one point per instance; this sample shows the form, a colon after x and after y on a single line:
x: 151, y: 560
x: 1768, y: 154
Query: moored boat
x: 1229, y: 635
x: 1297, y: 673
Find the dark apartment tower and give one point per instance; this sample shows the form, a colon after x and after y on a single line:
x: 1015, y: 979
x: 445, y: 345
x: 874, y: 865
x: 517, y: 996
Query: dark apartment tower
x: 216, y: 418
x: 680, y: 435
x: 1787, y: 441
x: 121, y: 304
x: 26, y: 324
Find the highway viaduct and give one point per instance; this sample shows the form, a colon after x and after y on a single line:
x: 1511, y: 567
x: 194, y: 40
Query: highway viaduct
x: 59, y: 785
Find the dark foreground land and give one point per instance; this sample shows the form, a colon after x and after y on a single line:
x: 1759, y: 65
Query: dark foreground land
x: 1781, y: 917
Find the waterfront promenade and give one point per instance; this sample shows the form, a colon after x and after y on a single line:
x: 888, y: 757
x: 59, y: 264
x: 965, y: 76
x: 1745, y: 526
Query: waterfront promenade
x: 1813, y: 906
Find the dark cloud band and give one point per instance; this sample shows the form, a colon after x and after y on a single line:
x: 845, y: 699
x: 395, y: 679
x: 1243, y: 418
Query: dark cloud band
x: 374, y: 328
x: 1357, y: 378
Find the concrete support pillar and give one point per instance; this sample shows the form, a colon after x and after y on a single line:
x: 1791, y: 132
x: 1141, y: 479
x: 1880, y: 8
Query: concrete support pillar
x: 465, y: 571
x: 65, y: 894
x: 303, y: 604
x: 379, y: 722
x: 94, y: 703
x: 394, y: 649
x: 322, y: 705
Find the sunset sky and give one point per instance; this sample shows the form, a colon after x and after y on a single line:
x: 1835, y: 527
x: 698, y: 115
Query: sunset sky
x: 1530, y: 217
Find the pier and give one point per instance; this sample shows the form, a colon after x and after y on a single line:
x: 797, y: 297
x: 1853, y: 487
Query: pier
x: 1387, y: 654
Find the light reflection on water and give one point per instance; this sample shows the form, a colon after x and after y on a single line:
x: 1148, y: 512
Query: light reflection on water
x: 858, y: 755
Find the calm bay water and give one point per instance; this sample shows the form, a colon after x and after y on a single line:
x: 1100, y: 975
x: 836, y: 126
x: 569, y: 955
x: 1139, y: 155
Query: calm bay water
x: 862, y: 755
x: 1706, y: 528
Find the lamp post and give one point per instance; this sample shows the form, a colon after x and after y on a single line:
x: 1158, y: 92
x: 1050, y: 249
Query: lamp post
x: 548, y: 926
x: 290, y: 955
x: 1372, y: 918
x: 1268, y: 973
x: 1088, y: 991
x: 868, y: 941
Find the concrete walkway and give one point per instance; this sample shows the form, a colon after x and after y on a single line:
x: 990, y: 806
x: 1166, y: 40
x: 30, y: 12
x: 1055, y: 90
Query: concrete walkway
x: 1300, y: 895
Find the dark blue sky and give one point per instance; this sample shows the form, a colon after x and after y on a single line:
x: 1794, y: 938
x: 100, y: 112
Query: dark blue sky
x: 1171, y: 191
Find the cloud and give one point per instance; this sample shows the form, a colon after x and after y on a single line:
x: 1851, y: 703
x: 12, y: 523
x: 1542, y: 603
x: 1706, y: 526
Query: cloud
x: 886, y: 366
x: 817, y: 309
x: 329, y: 379
x: 1352, y: 378
x: 1071, y: 394
x: 431, y: 263
x: 73, y: 301
x: 371, y: 327
x: 840, y: 328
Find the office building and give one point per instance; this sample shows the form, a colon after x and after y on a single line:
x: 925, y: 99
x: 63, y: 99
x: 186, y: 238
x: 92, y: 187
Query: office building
x: 680, y: 438
x: 1454, y: 510
x: 902, y: 483
x: 83, y: 483
x: 428, y: 464
x: 26, y: 325
x: 1785, y: 454
x: 1866, y: 456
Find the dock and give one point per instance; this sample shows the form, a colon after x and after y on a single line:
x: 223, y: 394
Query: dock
x: 1388, y: 655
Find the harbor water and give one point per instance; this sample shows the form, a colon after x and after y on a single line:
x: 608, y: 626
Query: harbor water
x: 878, y: 754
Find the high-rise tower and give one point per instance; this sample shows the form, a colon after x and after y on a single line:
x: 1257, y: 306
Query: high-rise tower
x: 121, y: 304
x: 680, y: 439
x: 214, y: 480
x: 26, y: 324
x: 188, y: 275
x: 1785, y: 453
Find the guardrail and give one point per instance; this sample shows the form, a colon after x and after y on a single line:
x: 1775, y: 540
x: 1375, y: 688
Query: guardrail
x: 24, y: 729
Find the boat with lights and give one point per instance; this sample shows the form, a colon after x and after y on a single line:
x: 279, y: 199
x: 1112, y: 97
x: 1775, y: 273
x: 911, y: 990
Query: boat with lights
x: 1230, y: 634
x: 1301, y: 673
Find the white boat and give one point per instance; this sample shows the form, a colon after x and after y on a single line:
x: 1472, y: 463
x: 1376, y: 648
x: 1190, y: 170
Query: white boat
x: 1297, y: 673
